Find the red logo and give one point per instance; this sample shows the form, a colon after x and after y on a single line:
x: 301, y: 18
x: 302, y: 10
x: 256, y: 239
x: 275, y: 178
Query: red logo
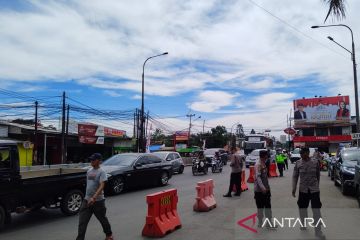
x: 242, y: 221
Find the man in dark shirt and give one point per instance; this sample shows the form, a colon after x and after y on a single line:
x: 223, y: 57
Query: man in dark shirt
x: 300, y: 114
x: 309, y: 172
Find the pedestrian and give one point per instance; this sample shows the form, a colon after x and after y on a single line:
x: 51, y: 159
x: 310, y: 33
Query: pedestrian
x: 235, y: 177
x: 286, y: 157
x: 280, y: 161
x: 262, y: 190
x: 94, y: 201
x: 309, y: 172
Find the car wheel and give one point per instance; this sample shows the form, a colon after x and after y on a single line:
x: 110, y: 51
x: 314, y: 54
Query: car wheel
x: 2, y: 217
x: 117, y: 185
x: 71, y: 203
x: 181, y: 170
x: 357, y: 194
x: 164, y: 179
x: 344, y: 189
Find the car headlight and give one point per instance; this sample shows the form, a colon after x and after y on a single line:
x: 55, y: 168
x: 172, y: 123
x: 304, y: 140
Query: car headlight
x: 349, y: 170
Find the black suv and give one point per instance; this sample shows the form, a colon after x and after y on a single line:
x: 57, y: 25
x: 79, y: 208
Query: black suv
x: 344, y: 169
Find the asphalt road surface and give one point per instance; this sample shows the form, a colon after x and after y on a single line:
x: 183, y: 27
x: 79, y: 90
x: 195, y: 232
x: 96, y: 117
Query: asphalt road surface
x: 127, y: 212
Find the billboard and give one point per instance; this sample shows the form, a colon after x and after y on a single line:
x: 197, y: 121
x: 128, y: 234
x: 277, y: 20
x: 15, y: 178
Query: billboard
x: 94, y: 134
x: 181, y: 136
x: 322, y: 110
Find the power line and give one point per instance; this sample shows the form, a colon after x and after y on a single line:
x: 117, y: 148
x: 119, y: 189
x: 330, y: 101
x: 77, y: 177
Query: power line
x: 294, y: 28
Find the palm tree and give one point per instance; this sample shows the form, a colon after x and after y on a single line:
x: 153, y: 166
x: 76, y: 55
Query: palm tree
x: 336, y: 8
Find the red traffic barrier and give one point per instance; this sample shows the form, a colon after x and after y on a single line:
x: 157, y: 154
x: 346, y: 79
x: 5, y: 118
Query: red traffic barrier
x: 272, y: 170
x: 251, y: 178
x: 244, y: 186
x: 162, y: 217
x: 205, y: 200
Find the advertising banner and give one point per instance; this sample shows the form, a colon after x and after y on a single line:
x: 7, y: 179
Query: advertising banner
x: 91, y: 140
x: 321, y: 110
x: 181, y: 136
x: 94, y: 134
x: 90, y: 130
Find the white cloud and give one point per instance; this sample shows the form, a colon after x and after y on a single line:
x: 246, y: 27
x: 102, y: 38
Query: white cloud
x: 271, y: 100
x: 210, y: 101
x: 112, y: 93
x: 227, y: 44
x: 136, y: 96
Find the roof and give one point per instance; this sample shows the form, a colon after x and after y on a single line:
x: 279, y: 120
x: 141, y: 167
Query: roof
x: 9, y: 141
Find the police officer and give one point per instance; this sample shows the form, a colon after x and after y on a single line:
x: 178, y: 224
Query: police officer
x: 280, y: 161
x: 308, y: 170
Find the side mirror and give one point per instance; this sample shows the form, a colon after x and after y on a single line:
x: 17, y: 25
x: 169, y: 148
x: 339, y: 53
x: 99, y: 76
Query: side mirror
x: 168, y: 159
x: 138, y: 165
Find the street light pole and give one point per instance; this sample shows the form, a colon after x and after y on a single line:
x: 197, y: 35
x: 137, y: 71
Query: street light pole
x: 354, y: 69
x: 142, y: 132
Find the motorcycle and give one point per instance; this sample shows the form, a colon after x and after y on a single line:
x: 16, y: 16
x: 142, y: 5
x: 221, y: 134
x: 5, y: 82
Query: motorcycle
x: 323, y: 165
x: 199, y: 166
x: 217, y: 165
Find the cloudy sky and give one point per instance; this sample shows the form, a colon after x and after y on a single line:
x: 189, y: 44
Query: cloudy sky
x: 229, y: 61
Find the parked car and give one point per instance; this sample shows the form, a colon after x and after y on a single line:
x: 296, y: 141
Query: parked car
x: 253, y: 157
x: 344, y: 169
x: 210, y: 153
x: 31, y: 188
x: 174, y: 158
x: 129, y: 170
x: 357, y: 182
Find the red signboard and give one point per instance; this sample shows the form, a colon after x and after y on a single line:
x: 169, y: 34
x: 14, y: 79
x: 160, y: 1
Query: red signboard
x: 111, y: 132
x: 334, y: 138
x: 99, y: 131
x: 181, y: 136
x: 90, y: 130
x: 91, y: 140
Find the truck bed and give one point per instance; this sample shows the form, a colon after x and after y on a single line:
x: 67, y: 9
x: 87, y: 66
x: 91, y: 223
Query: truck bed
x: 53, y: 170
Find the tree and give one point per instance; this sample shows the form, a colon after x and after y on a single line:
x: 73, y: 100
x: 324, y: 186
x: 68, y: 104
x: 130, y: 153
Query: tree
x: 336, y: 8
x: 158, y: 136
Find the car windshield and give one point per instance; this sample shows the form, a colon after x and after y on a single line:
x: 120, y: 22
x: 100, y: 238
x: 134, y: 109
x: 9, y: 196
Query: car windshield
x: 161, y: 155
x: 351, y: 156
x: 255, y: 153
x: 210, y: 151
x: 120, y: 159
x: 296, y: 151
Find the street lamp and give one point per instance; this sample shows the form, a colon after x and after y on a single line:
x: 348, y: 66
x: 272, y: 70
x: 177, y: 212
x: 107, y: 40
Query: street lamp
x: 354, y: 68
x: 142, y: 132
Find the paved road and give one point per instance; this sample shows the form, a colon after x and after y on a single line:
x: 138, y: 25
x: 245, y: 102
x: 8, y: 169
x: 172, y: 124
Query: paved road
x: 127, y: 214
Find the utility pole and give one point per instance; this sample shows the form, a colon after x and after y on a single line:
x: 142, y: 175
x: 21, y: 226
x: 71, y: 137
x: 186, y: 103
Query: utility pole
x: 67, y: 132
x: 63, y: 130
x: 36, y: 132
x: 287, y: 124
x: 204, y: 126
x: 189, y: 116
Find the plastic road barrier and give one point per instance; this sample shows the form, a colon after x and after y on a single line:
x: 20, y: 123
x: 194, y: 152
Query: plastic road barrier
x: 162, y: 217
x: 205, y: 200
x: 272, y: 170
x: 251, y: 178
x: 244, y: 186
